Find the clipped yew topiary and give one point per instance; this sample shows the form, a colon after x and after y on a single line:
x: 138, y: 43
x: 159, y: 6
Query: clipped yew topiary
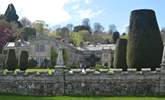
x: 23, y: 63
x: 11, y: 62
x: 145, y: 46
x: 115, y: 36
x: 54, y: 55
x: 120, y: 54
x: 32, y: 63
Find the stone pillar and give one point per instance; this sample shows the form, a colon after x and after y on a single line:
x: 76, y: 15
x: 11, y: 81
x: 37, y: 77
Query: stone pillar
x: 59, y: 68
x: 162, y: 74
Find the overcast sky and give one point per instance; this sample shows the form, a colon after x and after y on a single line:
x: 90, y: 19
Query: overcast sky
x: 73, y: 11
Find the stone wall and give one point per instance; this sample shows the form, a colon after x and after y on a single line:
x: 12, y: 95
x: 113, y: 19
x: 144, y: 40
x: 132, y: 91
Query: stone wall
x: 90, y: 83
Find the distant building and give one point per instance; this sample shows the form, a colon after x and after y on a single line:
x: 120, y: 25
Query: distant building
x: 39, y: 48
x: 105, y: 52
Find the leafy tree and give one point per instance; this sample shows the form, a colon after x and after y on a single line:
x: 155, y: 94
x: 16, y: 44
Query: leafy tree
x: 28, y: 33
x: 32, y: 63
x: 77, y: 38
x: 145, y: 46
x: 23, y: 63
x: 92, y: 59
x: 11, y: 63
x: 63, y: 33
x: 53, y: 56
x: 69, y: 27
x: 39, y: 26
x: 112, y: 29
x: 115, y: 36
x: 86, y: 22
x: 46, y: 63
x: 98, y: 28
x: 80, y: 28
x: 120, y: 54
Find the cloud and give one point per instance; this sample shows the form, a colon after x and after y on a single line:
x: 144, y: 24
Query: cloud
x: 88, y: 13
x: 88, y: 1
x: 75, y: 7
x: 51, y: 11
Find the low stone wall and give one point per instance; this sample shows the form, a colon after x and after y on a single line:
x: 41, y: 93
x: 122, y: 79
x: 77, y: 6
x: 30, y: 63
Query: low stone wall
x: 90, y: 83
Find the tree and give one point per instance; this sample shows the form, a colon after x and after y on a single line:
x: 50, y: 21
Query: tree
x: 92, y: 59
x: 69, y: 27
x: 53, y: 56
x: 10, y: 13
x: 23, y: 63
x: 77, y: 38
x: 32, y: 63
x: 98, y: 28
x: 63, y: 33
x: 28, y: 33
x: 120, y: 54
x: 86, y: 22
x: 25, y: 22
x: 80, y: 28
x: 39, y: 26
x: 11, y: 63
x: 115, y: 36
x: 112, y: 29
x: 46, y: 63
x: 145, y: 46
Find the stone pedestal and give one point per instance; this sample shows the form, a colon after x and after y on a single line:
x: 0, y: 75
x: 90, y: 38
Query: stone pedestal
x: 59, y: 70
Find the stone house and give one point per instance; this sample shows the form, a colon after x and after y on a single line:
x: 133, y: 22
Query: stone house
x: 39, y: 48
x: 105, y: 52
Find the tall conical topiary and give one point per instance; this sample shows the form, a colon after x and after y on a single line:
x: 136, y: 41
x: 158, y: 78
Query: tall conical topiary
x: 115, y: 36
x: 53, y: 55
x: 11, y: 13
x: 145, y: 46
x: 23, y: 63
x: 11, y: 63
x: 120, y: 54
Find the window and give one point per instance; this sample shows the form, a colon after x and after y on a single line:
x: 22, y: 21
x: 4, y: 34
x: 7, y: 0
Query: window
x: 40, y: 48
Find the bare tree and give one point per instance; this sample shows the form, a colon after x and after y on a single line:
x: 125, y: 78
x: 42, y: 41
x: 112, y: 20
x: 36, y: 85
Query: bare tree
x: 98, y: 28
x: 25, y: 22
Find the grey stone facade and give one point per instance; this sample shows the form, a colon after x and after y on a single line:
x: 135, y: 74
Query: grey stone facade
x: 130, y: 83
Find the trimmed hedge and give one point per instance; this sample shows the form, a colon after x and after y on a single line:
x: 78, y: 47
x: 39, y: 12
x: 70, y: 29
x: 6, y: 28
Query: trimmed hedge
x: 120, y: 54
x: 23, y: 63
x: 11, y: 63
x: 145, y: 46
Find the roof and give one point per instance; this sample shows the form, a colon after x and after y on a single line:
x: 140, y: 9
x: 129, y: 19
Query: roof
x: 18, y: 43
x: 98, y: 47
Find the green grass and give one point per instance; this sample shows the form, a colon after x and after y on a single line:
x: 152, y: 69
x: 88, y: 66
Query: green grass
x: 8, y: 97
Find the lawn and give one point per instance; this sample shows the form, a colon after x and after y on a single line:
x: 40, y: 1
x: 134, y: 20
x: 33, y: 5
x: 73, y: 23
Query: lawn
x: 6, y: 97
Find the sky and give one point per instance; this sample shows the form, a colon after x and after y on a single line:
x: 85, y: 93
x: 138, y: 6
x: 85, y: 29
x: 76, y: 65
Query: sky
x: 106, y: 12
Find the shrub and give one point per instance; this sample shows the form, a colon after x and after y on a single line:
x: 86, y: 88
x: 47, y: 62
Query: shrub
x: 53, y: 56
x: 23, y: 63
x: 145, y: 46
x: 11, y: 63
x: 32, y: 63
x: 120, y: 54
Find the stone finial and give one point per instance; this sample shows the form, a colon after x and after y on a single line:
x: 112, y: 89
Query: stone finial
x: 60, y: 60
